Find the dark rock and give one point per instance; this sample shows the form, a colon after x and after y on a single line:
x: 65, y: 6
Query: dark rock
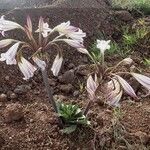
x: 3, y: 97
x: 21, y: 89
x: 11, y: 95
x: 123, y: 15
x: 67, y: 77
x: 13, y: 112
x: 66, y: 88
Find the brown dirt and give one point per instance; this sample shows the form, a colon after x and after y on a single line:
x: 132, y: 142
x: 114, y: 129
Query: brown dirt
x: 38, y: 128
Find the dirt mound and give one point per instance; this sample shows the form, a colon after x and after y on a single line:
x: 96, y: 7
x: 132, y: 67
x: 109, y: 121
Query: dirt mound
x: 80, y: 3
x: 11, y: 4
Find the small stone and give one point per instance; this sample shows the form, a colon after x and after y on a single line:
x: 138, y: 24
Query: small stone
x: 13, y: 112
x: 67, y: 77
x: 76, y: 93
x: 3, y: 97
x: 13, y: 96
x: 7, y: 78
x: 21, y: 89
x: 71, y: 66
x: 59, y: 97
x: 66, y: 88
x: 31, y: 120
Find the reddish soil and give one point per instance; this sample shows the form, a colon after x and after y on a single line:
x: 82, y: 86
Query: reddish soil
x: 37, y: 127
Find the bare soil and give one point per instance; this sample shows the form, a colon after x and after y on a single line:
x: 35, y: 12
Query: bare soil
x: 37, y: 127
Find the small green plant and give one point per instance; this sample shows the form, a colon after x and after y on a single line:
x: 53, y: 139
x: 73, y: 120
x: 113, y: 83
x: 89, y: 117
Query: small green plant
x: 71, y: 116
x: 146, y: 62
x: 142, y: 5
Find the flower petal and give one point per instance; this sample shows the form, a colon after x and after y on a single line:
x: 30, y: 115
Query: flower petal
x: 40, y: 63
x: 92, y: 86
x: 26, y: 68
x: 57, y: 65
x: 125, y: 85
x: 10, y: 55
x: 144, y: 80
x: 5, y: 42
x: 73, y: 43
x: 103, y: 45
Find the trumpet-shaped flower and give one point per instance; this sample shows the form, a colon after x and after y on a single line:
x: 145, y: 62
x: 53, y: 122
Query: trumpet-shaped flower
x: 92, y: 85
x: 65, y: 28
x: 40, y: 63
x: 78, y: 35
x: 57, y: 65
x: 73, y: 43
x: 6, y: 25
x: 43, y: 28
x: 144, y: 80
x: 6, y: 42
x: 26, y: 68
x: 103, y: 45
x: 10, y: 55
x: 113, y: 93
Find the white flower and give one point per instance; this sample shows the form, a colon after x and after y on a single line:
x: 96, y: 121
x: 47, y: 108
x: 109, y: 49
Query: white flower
x: 73, y: 43
x: 10, y: 55
x: 65, y: 28
x: 103, y: 45
x: 57, y: 65
x: 78, y: 35
x: 113, y: 93
x: 43, y: 28
x: 40, y: 63
x: 26, y: 68
x: 5, y: 42
x: 6, y: 25
x: 92, y: 85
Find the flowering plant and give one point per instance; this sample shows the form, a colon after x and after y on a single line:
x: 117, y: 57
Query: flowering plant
x: 67, y: 33
x: 110, y: 81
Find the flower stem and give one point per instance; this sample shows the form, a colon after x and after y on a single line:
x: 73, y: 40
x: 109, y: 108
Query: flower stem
x: 48, y: 90
x: 50, y: 95
x: 87, y: 108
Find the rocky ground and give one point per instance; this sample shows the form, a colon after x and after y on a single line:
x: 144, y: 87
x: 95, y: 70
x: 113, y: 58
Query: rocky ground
x: 27, y: 120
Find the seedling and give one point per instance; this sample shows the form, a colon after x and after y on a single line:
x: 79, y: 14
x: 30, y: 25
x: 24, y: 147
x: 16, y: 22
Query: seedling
x: 72, y: 116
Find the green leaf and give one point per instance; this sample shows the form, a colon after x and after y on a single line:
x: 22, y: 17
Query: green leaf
x: 69, y: 129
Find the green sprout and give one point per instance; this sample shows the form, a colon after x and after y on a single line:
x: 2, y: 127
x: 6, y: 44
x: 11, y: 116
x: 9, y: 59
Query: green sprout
x: 71, y: 116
